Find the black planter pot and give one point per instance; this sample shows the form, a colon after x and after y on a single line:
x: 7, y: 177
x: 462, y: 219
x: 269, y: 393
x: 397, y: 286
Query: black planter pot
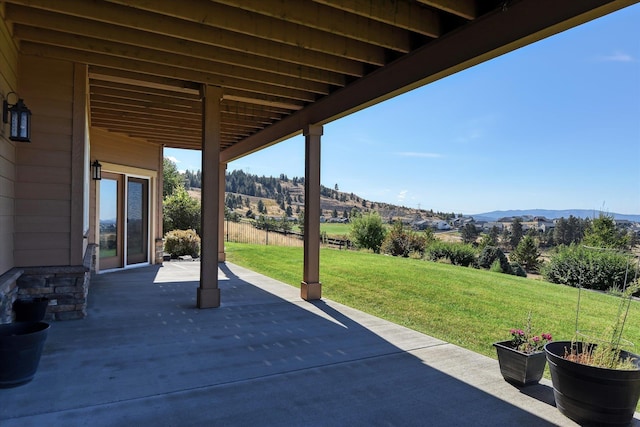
x: 590, y: 395
x: 517, y: 367
x: 21, y: 346
x: 30, y: 310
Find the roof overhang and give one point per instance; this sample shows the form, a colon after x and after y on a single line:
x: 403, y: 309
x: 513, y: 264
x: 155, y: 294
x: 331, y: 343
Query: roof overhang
x: 281, y: 64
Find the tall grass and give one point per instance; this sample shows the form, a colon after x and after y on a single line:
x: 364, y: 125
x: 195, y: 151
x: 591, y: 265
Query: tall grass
x: 464, y: 306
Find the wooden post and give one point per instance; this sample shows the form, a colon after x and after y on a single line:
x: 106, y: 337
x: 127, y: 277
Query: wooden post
x: 208, y: 292
x: 311, y: 288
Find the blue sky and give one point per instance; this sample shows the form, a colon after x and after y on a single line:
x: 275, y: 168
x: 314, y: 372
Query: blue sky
x: 554, y: 125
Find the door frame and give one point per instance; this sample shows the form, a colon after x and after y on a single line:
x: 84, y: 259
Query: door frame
x: 152, y: 211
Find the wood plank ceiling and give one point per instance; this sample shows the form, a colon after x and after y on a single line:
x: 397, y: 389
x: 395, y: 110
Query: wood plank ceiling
x: 281, y: 63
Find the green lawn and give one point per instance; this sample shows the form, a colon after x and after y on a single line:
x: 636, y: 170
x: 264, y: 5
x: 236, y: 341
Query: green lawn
x: 468, y: 307
x: 335, y: 230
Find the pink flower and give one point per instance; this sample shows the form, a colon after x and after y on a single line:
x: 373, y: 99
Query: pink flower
x: 536, y: 339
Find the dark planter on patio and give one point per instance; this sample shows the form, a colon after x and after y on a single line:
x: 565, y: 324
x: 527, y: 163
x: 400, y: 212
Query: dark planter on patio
x: 21, y: 346
x: 517, y: 367
x: 30, y: 309
x: 590, y: 395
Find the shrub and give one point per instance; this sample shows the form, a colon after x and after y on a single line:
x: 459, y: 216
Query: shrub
x: 496, y: 267
x: 182, y: 242
x: 403, y: 242
x: 489, y: 255
x: 368, y: 232
x: 577, y: 265
x: 517, y: 270
x: 456, y: 253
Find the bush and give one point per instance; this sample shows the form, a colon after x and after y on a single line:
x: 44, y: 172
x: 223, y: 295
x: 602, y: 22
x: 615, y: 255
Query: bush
x: 402, y: 242
x: 456, y: 253
x: 182, y: 242
x: 489, y: 255
x: 368, y: 232
x: 577, y: 265
x: 517, y: 270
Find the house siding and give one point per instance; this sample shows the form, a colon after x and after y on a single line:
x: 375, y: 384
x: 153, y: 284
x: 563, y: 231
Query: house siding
x: 8, y: 83
x: 43, y: 187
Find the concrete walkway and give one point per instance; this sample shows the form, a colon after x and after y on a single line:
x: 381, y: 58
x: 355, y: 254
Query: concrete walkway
x: 145, y: 356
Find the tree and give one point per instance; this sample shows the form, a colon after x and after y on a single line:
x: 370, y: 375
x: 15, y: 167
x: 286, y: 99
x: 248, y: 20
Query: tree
x: 285, y: 225
x: 526, y: 253
x: 334, y: 214
x: 171, y: 178
x: 469, y: 233
x: 181, y: 212
x: 261, y: 208
x: 516, y: 232
x: 301, y: 222
x: 602, y: 233
x: 368, y: 232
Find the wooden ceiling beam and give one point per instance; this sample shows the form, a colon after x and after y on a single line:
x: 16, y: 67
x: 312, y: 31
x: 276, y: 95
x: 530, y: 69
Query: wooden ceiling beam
x: 329, y: 20
x: 107, y: 32
x: 103, y: 110
x: 177, y: 60
x: 121, y: 16
x: 406, y: 15
x: 143, y: 80
x: 137, y: 65
x: 167, y: 101
x: 263, y: 27
x: 143, y: 90
x: 464, y: 8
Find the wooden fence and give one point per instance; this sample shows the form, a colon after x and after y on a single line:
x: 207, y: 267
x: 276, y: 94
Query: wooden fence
x: 246, y: 232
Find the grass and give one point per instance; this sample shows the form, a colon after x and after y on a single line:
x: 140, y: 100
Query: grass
x: 464, y: 306
x: 335, y: 230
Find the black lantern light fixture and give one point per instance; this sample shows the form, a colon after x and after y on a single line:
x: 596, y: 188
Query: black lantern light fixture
x: 19, y: 117
x: 96, y: 170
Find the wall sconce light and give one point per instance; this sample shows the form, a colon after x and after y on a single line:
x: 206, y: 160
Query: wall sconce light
x: 19, y: 117
x: 96, y: 170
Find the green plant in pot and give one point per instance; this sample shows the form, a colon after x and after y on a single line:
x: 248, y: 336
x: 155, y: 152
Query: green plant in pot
x: 597, y: 381
x: 522, y: 358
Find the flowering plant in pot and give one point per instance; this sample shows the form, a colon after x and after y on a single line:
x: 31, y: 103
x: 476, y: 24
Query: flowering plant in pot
x: 522, y: 359
x: 597, y: 382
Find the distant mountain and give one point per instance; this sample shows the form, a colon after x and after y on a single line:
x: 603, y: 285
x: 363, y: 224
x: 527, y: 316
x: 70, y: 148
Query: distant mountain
x: 551, y: 214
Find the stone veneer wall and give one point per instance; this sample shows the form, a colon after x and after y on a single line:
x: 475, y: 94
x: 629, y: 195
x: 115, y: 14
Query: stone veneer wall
x: 66, y: 288
x: 8, y: 292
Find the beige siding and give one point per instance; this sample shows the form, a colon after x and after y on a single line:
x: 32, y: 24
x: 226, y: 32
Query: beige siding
x: 43, y: 189
x: 8, y: 83
x: 118, y: 149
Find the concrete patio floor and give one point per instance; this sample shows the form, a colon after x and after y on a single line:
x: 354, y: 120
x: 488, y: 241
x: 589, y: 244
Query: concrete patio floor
x: 145, y: 356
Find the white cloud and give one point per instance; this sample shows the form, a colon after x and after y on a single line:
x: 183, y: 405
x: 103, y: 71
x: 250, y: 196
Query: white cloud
x: 419, y: 154
x: 402, y: 195
x: 173, y: 159
x: 617, y: 56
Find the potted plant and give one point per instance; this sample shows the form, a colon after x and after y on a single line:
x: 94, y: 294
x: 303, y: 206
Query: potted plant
x: 597, y: 383
x: 21, y: 345
x: 522, y: 359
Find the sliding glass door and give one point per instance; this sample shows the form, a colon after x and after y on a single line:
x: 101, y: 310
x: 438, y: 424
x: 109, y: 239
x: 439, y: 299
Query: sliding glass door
x: 123, y: 221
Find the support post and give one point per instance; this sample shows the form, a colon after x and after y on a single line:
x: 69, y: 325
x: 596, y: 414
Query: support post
x: 222, y: 168
x: 311, y: 288
x: 208, y: 292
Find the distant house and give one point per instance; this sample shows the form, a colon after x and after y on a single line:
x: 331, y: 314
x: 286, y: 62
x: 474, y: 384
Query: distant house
x: 441, y: 225
x: 422, y: 224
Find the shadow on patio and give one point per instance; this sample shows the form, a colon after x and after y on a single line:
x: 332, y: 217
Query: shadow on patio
x: 146, y: 356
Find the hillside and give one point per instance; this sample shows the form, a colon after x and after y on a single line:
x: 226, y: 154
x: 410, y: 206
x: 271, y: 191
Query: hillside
x: 283, y: 196
x: 552, y: 214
